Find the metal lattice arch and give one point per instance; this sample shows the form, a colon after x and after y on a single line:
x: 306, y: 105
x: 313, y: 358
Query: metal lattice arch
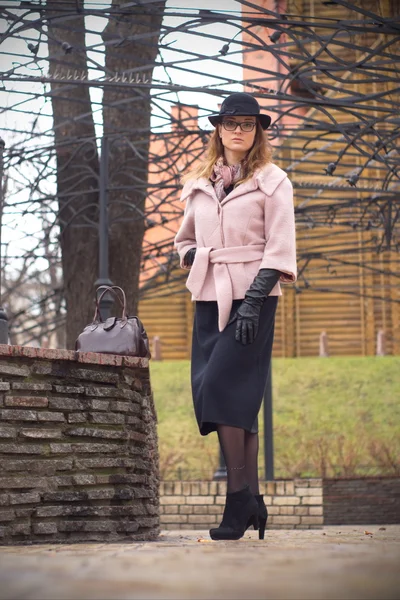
x: 346, y: 190
x: 328, y: 74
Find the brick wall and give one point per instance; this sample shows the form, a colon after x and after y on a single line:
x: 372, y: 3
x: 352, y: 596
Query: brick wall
x: 294, y: 504
x: 78, y: 447
x: 79, y: 462
x: 370, y: 500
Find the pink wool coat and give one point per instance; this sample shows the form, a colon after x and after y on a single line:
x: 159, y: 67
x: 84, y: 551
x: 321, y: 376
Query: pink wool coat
x: 252, y: 228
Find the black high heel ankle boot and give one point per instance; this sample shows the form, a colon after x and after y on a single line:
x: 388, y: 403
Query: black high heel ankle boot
x: 241, y: 511
x: 262, y: 515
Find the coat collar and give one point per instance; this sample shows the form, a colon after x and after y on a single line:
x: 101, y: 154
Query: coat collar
x: 196, y: 184
x: 266, y: 179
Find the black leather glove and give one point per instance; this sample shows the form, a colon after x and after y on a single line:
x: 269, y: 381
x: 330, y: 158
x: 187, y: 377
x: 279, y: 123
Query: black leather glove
x: 248, y: 313
x: 188, y: 259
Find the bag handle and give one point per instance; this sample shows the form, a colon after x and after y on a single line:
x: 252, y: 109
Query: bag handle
x: 109, y: 288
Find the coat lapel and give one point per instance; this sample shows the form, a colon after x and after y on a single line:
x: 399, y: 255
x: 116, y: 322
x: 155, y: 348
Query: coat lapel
x: 242, y: 188
x: 266, y: 179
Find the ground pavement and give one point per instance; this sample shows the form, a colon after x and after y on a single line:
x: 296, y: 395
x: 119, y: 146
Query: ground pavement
x: 352, y: 562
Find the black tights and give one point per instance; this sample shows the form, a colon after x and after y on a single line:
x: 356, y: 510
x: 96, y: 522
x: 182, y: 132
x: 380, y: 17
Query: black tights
x: 240, y: 450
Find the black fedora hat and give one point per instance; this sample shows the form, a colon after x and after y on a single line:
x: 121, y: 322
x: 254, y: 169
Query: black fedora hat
x: 240, y: 104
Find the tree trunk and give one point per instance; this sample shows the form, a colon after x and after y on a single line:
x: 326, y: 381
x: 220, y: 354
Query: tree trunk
x: 77, y: 164
x: 126, y: 114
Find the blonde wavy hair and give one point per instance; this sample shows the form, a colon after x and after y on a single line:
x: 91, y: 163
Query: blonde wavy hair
x: 258, y: 156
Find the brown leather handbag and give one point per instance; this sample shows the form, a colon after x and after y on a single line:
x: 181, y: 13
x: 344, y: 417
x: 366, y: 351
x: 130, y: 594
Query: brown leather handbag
x: 117, y: 335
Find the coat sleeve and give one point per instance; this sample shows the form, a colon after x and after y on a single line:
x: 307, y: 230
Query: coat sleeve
x: 280, y: 233
x: 185, y: 239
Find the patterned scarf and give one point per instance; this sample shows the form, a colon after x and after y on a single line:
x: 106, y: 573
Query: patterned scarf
x: 223, y: 176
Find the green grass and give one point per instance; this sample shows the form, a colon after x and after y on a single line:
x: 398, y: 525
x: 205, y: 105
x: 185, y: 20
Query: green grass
x: 331, y: 417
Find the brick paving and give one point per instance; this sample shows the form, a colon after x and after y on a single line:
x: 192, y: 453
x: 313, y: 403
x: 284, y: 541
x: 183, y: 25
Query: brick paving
x: 349, y: 562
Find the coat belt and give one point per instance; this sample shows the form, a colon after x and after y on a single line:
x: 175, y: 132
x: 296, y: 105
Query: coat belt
x: 220, y: 257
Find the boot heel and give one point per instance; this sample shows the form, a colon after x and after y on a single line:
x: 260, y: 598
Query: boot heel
x: 261, y: 530
x: 262, y: 516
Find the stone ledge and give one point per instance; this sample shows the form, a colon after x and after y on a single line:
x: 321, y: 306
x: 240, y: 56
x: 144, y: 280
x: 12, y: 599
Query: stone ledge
x: 93, y: 358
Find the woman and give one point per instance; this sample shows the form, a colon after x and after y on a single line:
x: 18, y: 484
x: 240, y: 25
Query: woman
x: 237, y: 238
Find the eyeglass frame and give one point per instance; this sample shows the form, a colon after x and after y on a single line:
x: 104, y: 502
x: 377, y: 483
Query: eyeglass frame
x: 253, y: 123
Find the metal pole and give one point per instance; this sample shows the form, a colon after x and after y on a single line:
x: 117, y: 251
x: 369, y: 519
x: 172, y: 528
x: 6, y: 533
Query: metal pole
x: 104, y: 279
x: 221, y: 473
x: 268, y: 429
x: 3, y: 316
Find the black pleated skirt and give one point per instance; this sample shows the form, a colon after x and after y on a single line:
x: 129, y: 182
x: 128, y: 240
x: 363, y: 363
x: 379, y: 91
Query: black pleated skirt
x: 228, y: 378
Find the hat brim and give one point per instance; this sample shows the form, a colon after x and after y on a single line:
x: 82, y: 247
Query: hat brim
x: 265, y: 120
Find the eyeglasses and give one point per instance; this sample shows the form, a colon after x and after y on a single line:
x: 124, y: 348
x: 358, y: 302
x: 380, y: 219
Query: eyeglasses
x: 245, y: 126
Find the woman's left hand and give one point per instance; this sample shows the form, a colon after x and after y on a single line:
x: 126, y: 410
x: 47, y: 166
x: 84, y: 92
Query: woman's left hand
x: 248, y: 317
x: 189, y: 257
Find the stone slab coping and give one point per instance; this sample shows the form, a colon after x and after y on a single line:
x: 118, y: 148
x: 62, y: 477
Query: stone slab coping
x: 93, y: 358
